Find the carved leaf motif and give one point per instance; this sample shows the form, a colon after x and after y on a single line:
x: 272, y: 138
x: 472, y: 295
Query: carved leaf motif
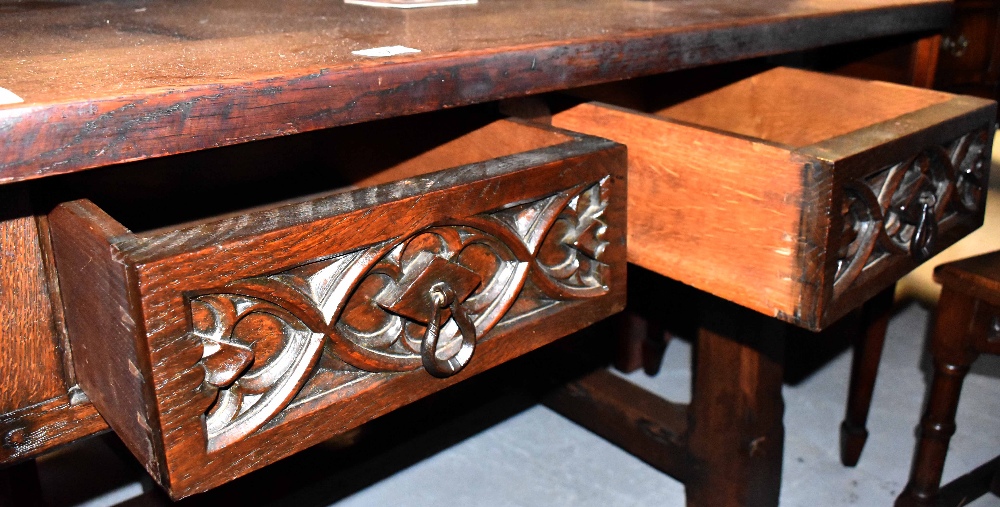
x: 232, y: 330
x: 898, y: 209
x: 368, y: 310
x: 227, y: 363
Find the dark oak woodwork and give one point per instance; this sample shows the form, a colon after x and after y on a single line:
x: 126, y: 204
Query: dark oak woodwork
x: 40, y: 407
x: 864, y: 370
x: 168, y: 78
x: 974, y: 484
x: 218, y: 346
x: 814, y: 209
x: 741, y: 192
x: 726, y: 446
x: 905, y: 59
x: 736, y: 436
x: 647, y: 426
x: 966, y: 324
x: 641, y: 336
x: 105, y: 83
x: 31, y: 431
x: 969, y: 59
x: 32, y: 369
x: 924, y: 61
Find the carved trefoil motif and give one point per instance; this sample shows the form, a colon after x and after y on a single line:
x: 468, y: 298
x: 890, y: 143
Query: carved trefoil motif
x: 898, y: 210
x: 417, y: 301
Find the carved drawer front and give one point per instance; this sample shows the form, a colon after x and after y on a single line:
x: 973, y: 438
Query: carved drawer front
x: 218, y: 346
x: 796, y: 194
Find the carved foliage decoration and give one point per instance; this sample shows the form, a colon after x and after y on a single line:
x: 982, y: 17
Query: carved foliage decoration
x: 898, y: 209
x: 374, y: 310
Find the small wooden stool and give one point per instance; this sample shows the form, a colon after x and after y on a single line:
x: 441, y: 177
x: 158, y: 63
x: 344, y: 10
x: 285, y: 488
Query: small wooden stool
x: 967, y: 324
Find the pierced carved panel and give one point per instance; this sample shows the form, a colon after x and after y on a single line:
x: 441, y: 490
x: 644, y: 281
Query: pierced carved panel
x: 898, y: 210
x: 418, y: 301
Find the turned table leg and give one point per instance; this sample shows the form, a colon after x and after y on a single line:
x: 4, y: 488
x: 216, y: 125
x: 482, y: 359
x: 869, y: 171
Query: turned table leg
x: 864, y: 370
x: 952, y: 356
x: 736, y: 435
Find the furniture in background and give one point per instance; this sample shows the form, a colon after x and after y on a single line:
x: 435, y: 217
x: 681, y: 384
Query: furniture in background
x: 969, y: 62
x: 966, y: 324
x: 964, y: 59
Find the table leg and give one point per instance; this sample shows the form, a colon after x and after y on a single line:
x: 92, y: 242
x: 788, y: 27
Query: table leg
x: 864, y: 370
x: 736, y: 437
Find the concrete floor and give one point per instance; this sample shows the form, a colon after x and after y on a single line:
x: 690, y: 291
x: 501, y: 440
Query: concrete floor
x: 509, y: 452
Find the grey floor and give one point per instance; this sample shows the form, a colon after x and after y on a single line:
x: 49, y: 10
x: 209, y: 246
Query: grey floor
x: 519, y: 454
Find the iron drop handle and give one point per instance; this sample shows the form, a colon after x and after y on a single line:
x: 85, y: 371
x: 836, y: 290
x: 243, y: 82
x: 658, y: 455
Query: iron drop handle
x: 444, y: 298
x: 922, y: 243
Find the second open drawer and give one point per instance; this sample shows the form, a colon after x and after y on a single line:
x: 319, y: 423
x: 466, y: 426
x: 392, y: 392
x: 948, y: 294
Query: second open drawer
x: 217, y: 346
x: 794, y: 193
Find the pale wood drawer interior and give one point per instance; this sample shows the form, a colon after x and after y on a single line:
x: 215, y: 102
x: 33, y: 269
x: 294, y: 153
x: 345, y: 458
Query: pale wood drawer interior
x: 794, y: 193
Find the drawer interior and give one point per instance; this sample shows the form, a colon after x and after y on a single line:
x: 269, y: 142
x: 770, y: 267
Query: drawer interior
x: 783, y: 106
x: 169, y: 191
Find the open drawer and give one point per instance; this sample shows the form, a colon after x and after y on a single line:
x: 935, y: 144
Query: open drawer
x: 796, y: 194
x: 218, y: 346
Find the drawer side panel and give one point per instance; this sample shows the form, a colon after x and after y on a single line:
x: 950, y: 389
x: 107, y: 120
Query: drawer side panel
x: 716, y: 212
x: 103, y: 326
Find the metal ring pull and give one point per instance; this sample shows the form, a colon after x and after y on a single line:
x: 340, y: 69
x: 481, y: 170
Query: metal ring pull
x: 922, y: 242
x: 444, y: 297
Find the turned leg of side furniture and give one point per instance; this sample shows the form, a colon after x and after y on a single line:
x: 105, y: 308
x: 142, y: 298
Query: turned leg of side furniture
x: 736, y: 435
x: 642, y: 342
x: 952, y: 356
x: 630, y: 339
x: 864, y: 370
x: 641, y: 336
x: 19, y: 486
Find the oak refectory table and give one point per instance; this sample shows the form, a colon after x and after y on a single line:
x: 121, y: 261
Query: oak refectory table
x: 243, y: 306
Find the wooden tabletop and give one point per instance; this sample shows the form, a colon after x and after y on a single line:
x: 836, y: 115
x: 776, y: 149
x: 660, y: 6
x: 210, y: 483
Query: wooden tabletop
x: 104, y: 82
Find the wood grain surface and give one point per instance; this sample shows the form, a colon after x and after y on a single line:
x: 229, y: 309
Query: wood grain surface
x: 797, y: 108
x: 31, y: 431
x: 40, y: 407
x: 644, y: 424
x: 783, y: 191
x: 149, y: 356
x: 31, y: 369
x: 965, y: 327
x: 104, y: 306
x: 689, y: 216
x: 107, y: 82
x: 736, y: 439
x: 977, y: 276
